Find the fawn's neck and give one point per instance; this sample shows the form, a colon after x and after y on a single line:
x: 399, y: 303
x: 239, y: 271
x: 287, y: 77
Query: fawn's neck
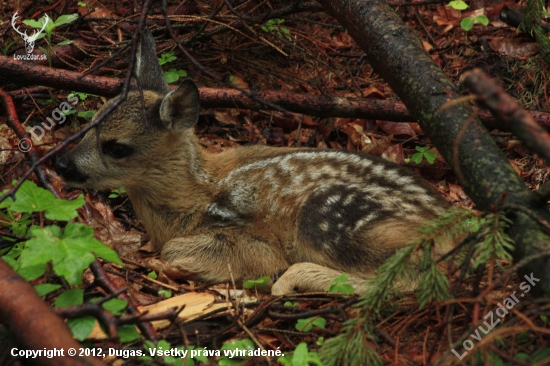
x: 177, y: 186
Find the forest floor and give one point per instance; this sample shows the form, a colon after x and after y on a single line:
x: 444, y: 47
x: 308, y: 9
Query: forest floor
x: 300, y: 52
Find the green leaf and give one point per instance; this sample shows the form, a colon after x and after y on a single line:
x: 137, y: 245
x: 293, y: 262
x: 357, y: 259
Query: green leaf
x: 523, y: 356
x: 70, y: 297
x: 45, y: 288
x: 128, y: 333
x: 482, y: 19
x: 66, y: 42
x: 33, y: 23
x: 248, y: 284
x: 30, y: 198
x: 81, y: 327
x: 86, y: 114
x: 173, y: 75
x: 458, y: 5
x: 467, y: 24
x: 65, y: 19
x: 166, y: 293
x: 167, y: 57
x: 417, y: 157
x: 115, y: 306
x: 71, y: 252
x: 81, y: 3
x: 540, y: 354
x: 430, y: 156
x: 152, y: 274
x: 32, y: 272
x: 305, y: 325
x: 422, y: 148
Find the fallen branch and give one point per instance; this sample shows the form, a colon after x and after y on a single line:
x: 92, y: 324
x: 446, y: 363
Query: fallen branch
x: 33, y: 324
x: 314, y: 105
x: 25, y: 144
x: 512, y: 117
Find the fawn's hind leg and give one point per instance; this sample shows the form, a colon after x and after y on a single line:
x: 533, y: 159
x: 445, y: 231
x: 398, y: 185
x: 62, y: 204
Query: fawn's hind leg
x: 208, y: 257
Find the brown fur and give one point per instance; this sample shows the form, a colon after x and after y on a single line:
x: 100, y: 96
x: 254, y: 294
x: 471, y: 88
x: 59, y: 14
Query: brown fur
x: 257, y: 210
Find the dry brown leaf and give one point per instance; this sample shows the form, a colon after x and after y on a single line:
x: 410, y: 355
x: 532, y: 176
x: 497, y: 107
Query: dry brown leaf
x: 395, y: 154
x: 515, y: 46
x: 109, y: 231
x: 396, y: 128
x: 378, y: 146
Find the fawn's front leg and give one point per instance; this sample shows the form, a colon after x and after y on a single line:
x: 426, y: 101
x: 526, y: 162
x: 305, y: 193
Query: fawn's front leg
x: 209, y: 257
x: 311, y: 277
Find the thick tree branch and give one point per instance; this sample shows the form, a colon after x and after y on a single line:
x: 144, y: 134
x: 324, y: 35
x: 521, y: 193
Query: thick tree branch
x: 22, y: 73
x: 397, y: 55
x: 32, y: 322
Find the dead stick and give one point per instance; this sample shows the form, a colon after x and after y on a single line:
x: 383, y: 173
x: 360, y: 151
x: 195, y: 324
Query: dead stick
x: 25, y: 144
x: 511, y: 115
x: 315, y: 105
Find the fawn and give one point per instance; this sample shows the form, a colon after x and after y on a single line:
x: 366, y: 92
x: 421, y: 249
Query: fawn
x: 247, y: 212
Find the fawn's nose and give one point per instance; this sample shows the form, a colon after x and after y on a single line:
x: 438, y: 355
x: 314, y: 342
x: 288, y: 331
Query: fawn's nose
x: 68, y: 170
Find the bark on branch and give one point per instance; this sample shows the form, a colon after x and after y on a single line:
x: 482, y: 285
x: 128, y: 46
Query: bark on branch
x: 397, y: 55
x: 33, y: 324
x: 22, y: 73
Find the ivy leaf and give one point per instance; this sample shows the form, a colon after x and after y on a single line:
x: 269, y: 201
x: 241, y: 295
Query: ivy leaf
x: 31, y: 198
x: 71, y: 252
x: 81, y: 327
x: 45, y: 288
x: 115, y: 306
x: 128, y: 333
x: 71, y: 297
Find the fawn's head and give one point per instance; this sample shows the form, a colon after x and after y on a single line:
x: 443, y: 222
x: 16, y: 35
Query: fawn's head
x: 138, y: 135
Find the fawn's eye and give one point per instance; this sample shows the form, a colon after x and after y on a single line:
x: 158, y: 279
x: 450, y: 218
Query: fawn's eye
x: 116, y: 150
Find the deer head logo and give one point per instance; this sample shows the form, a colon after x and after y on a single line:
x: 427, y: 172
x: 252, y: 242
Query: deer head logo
x: 29, y: 40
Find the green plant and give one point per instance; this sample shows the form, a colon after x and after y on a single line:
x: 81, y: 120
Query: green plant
x: 117, y: 192
x: 301, y: 357
x: 235, y: 350
x: 69, y: 251
x: 50, y: 26
x: 421, y: 154
x: 338, y: 285
x: 260, y: 282
x: 468, y: 23
x: 165, y: 293
x: 173, y: 75
x: 153, y: 351
x: 274, y: 25
x: 86, y: 114
x: 305, y: 325
x: 458, y: 5
x: 166, y: 57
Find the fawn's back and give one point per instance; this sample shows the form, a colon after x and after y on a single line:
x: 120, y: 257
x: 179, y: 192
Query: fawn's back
x: 249, y: 211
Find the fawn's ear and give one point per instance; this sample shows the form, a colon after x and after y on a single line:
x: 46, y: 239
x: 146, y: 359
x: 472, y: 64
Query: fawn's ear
x: 147, y: 67
x: 180, y: 108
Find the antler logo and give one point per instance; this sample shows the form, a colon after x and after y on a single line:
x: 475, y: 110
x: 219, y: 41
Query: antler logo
x: 29, y: 40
